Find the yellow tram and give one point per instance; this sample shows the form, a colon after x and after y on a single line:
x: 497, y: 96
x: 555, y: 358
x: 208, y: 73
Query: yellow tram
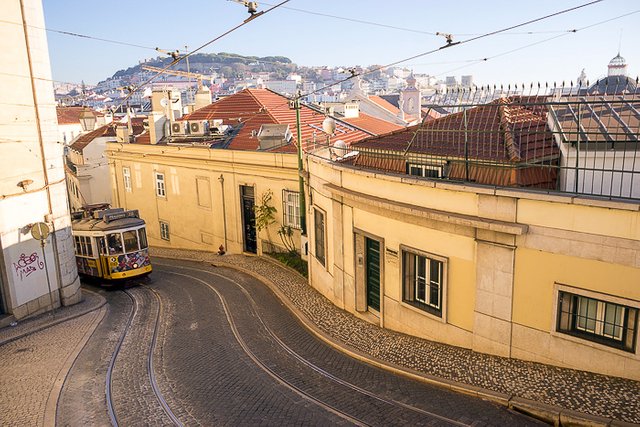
x: 110, y: 243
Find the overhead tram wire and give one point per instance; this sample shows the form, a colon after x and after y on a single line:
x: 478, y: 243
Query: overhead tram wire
x: 432, y: 51
x: 481, y: 60
x: 186, y: 55
x: 412, y: 30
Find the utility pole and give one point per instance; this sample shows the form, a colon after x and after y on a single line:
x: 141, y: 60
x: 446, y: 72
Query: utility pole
x: 301, y: 198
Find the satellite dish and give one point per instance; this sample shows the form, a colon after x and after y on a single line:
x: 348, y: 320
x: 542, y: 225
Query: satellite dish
x: 164, y: 102
x: 339, y: 148
x: 329, y: 126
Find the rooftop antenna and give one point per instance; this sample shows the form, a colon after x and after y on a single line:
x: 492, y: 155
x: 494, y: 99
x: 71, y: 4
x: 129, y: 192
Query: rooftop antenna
x: 620, y: 42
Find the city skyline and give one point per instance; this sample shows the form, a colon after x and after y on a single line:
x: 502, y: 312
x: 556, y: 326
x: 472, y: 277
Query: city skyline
x: 543, y: 51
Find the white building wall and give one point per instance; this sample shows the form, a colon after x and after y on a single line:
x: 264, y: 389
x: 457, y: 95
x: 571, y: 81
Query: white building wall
x: 604, y: 173
x: 30, y: 132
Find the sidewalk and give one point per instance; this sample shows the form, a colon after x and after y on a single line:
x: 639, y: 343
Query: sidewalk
x: 35, y: 356
x: 551, y: 393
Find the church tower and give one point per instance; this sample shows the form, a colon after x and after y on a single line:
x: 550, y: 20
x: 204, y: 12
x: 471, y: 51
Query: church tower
x: 409, y: 102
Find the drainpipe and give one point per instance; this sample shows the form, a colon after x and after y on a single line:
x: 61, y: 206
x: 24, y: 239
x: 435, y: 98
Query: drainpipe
x: 303, y: 218
x: 224, y: 212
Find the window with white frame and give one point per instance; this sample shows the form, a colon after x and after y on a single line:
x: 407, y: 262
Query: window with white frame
x: 126, y: 174
x: 318, y: 221
x: 423, y: 281
x: 427, y: 171
x: 160, y: 187
x: 607, y: 323
x: 291, y: 208
x: 164, y: 230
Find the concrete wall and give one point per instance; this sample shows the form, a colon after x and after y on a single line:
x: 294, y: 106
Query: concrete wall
x: 193, y: 205
x: 507, y: 255
x: 30, y: 140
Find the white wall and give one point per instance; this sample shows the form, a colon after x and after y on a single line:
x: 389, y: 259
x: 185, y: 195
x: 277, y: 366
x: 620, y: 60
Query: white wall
x: 28, y: 99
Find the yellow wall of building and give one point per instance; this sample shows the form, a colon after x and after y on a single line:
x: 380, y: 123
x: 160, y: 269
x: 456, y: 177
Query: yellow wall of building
x: 195, y: 217
x: 537, y: 272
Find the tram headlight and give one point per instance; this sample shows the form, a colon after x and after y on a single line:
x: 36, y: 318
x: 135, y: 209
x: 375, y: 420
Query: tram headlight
x: 135, y: 265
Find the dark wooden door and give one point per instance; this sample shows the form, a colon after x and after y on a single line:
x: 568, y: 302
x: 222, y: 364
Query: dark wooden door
x: 248, y: 218
x: 373, y: 273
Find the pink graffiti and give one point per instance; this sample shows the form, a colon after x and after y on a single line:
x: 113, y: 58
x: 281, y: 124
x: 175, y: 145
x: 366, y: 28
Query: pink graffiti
x: 26, y: 265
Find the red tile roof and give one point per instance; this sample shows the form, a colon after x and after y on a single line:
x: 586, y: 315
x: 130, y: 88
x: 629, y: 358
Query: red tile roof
x: 108, y: 130
x: 254, y: 107
x: 373, y: 124
x: 85, y: 139
x: 381, y: 102
x: 506, y: 130
x: 71, y: 115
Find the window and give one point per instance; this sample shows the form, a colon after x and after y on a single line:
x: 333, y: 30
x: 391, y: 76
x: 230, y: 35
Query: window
x: 160, y: 188
x: 427, y: 171
x: 130, y: 241
x: 126, y: 173
x: 142, y: 232
x: 83, y: 246
x: 318, y: 220
x: 423, y: 281
x: 291, y: 208
x: 604, y: 322
x: 164, y: 230
x: 114, y: 242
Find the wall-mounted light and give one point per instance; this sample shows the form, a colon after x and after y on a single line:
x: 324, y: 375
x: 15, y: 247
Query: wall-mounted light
x: 24, y: 183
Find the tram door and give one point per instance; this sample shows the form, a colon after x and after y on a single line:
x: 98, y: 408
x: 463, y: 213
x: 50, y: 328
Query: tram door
x: 248, y: 218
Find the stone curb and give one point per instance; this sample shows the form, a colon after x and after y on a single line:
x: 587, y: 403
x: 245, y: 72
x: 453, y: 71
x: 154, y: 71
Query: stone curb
x: 555, y: 415
x: 56, y: 321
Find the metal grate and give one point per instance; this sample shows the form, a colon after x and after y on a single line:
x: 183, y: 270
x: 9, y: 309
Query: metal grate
x: 575, y: 139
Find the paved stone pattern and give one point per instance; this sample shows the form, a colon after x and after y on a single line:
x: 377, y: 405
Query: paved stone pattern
x: 90, y: 301
x: 575, y: 390
x: 258, y: 314
x: 133, y: 398
x: 30, y: 365
x: 208, y: 376
x: 83, y: 400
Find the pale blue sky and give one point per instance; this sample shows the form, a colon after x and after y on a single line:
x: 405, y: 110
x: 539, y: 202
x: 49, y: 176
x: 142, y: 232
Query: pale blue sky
x: 318, y: 40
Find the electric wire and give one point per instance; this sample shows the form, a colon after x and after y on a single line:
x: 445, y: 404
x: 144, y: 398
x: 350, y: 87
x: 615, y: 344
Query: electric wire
x: 188, y: 54
x: 412, y: 30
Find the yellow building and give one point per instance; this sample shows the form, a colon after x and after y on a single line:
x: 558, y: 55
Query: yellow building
x: 541, y: 277
x: 197, y: 179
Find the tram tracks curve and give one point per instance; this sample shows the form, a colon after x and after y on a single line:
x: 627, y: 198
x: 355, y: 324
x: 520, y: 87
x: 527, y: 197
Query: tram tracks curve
x: 319, y: 370
x: 113, y: 416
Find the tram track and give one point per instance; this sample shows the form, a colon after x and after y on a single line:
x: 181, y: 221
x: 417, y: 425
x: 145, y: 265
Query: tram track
x: 113, y: 416
x: 322, y: 372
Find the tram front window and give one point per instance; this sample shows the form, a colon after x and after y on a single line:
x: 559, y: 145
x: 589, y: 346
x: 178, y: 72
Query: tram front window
x: 114, y: 241
x: 130, y: 241
x: 143, y: 238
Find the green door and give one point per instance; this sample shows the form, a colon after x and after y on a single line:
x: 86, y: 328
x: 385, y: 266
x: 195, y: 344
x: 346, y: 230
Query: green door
x: 373, y: 273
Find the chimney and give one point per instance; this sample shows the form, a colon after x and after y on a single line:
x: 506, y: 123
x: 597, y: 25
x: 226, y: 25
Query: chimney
x: 203, y: 97
x: 122, y: 134
x: 156, y: 126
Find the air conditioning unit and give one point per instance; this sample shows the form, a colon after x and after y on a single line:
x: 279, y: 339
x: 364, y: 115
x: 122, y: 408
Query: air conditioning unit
x: 197, y: 128
x: 216, y: 123
x: 177, y: 128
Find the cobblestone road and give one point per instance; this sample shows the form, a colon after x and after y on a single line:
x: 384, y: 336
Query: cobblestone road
x: 219, y: 383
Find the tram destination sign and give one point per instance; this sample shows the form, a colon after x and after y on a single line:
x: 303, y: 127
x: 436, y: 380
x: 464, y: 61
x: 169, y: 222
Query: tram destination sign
x: 120, y: 215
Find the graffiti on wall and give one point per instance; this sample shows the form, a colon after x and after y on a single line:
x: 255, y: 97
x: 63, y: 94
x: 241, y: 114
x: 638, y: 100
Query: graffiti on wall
x: 27, y: 265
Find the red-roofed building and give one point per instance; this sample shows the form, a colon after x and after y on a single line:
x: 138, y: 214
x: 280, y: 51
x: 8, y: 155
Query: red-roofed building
x: 196, y: 179
x: 69, y: 122
x: 504, y: 143
x: 86, y: 166
x: 249, y: 110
